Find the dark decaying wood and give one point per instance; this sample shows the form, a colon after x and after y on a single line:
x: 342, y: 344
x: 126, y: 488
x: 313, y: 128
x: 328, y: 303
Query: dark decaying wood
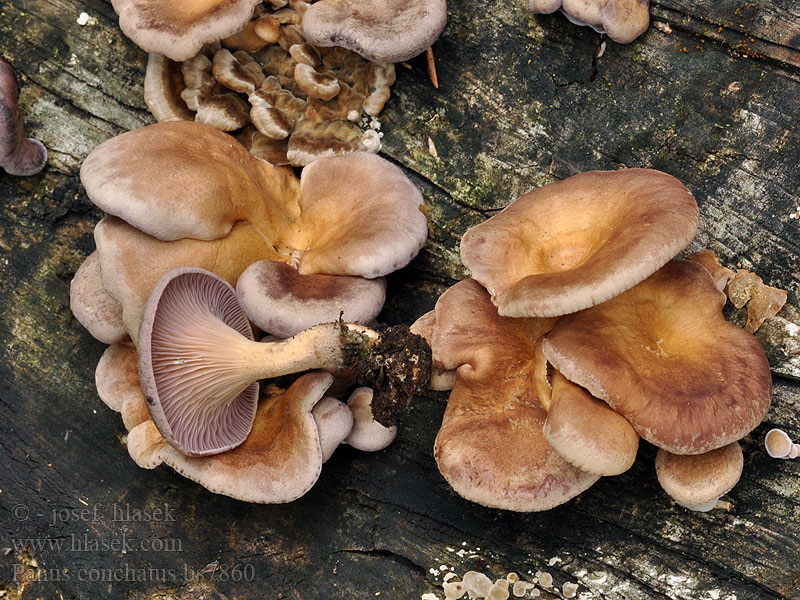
x: 523, y: 100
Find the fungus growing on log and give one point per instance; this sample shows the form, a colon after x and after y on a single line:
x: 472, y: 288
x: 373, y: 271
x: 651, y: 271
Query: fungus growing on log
x: 622, y: 20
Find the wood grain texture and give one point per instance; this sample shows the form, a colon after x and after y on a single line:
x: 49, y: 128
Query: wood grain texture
x: 523, y: 101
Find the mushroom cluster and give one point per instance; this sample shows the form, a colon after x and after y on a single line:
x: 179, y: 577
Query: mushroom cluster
x: 183, y: 197
x: 291, y: 101
x: 581, y: 333
x: 622, y: 20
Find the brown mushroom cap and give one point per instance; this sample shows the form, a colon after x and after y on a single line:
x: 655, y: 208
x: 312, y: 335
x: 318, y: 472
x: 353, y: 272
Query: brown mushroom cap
x: 116, y: 376
x: 281, y: 301
x: 720, y: 274
x: 663, y: 356
x: 490, y: 447
x: 334, y: 423
x: 94, y: 308
x: 390, y: 31
x: 575, y: 243
x: 163, y: 86
x: 187, y: 316
x: 179, y: 28
x: 442, y: 380
x: 278, y: 462
x: 622, y: 20
x: 698, y: 481
x: 588, y: 433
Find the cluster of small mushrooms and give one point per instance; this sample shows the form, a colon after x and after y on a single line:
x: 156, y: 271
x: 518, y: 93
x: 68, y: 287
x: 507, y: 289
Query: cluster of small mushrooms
x: 579, y: 333
x: 622, y: 20
x: 280, y: 73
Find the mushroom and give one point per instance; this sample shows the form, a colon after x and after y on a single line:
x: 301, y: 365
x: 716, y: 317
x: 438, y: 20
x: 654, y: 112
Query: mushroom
x: 698, y: 481
x: 179, y: 29
x: 720, y: 274
x: 281, y: 301
x: 779, y: 445
x: 18, y: 155
x: 163, y: 89
x: 586, y: 432
x: 199, y: 365
x: 117, y: 382
x: 575, y: 243
x: 391, y: 31
x: 334, y: 424
x: 279, y: 461
x: 94, y: 308
x: 355, y: 215
x: 491, y: 448
x: 622, y: 20
x: 664, y: 357
x: 367, y: 435
x: 442, y: 380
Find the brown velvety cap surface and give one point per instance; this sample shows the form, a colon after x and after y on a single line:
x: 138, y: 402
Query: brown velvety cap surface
x: 490, y: 447
x: 278, y: 462
x: 389, y: 31
x: 664, y: 357
x: 575, y: 243
x: 178, y: 28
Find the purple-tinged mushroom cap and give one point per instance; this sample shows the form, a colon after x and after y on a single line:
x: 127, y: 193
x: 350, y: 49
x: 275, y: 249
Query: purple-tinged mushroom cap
x: 367, y: 434
x: 189, y: 317
x: 622, y: 20
x: 18, y: 155
x: 281, y: 301
x: 334, y: 423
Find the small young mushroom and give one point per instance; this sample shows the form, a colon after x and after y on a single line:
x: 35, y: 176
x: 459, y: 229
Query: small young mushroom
x: 281, y: 301
x: 389, y: 31
x: 622, y: 20
x: 19, y: 155
x: 576, y: 243
x: 199, y: 365
x: 779, y: 445
x: 698, y: 481
x: 279, y: 461
x: 664, y: 357
x: 334, y: 423
x: 367, y: 434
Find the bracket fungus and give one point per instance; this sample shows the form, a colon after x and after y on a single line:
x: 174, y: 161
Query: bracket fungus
x: 199, y: 365
x: 698, y: 481
x: 622, y: 20
x: 283, y: 302
x: 491, y: 448
x: 355, y: 215
x: 390, y: 31
x: 19, y: 155
x: 179, y: 28
x: 575, y: 243
x: 664, y: 357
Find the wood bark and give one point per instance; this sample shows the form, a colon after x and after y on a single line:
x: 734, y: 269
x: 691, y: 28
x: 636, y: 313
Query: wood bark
x: 523, y: 100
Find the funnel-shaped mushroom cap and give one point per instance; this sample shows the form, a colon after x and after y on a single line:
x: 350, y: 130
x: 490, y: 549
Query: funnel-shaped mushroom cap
x: 575, y: 243
x: 179, y: 28
x: 588, y: 433
x: 663, y: 356
x: 278, y: 462
x: 360, y: 215
x: 131, y: 261
x: 183, y: 179
x: 389, y: 31
x: 622, y: 20
x: 281, y: 301
x: 490, y: 448
x: 94, y: 308
x: 192, y: 319
x: 698, y: 481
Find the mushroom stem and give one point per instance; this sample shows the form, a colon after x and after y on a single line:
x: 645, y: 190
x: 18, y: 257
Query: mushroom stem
x: 18, y: 155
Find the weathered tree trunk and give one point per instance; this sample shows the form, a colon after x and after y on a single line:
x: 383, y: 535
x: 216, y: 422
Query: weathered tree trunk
x: 524, y: 100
